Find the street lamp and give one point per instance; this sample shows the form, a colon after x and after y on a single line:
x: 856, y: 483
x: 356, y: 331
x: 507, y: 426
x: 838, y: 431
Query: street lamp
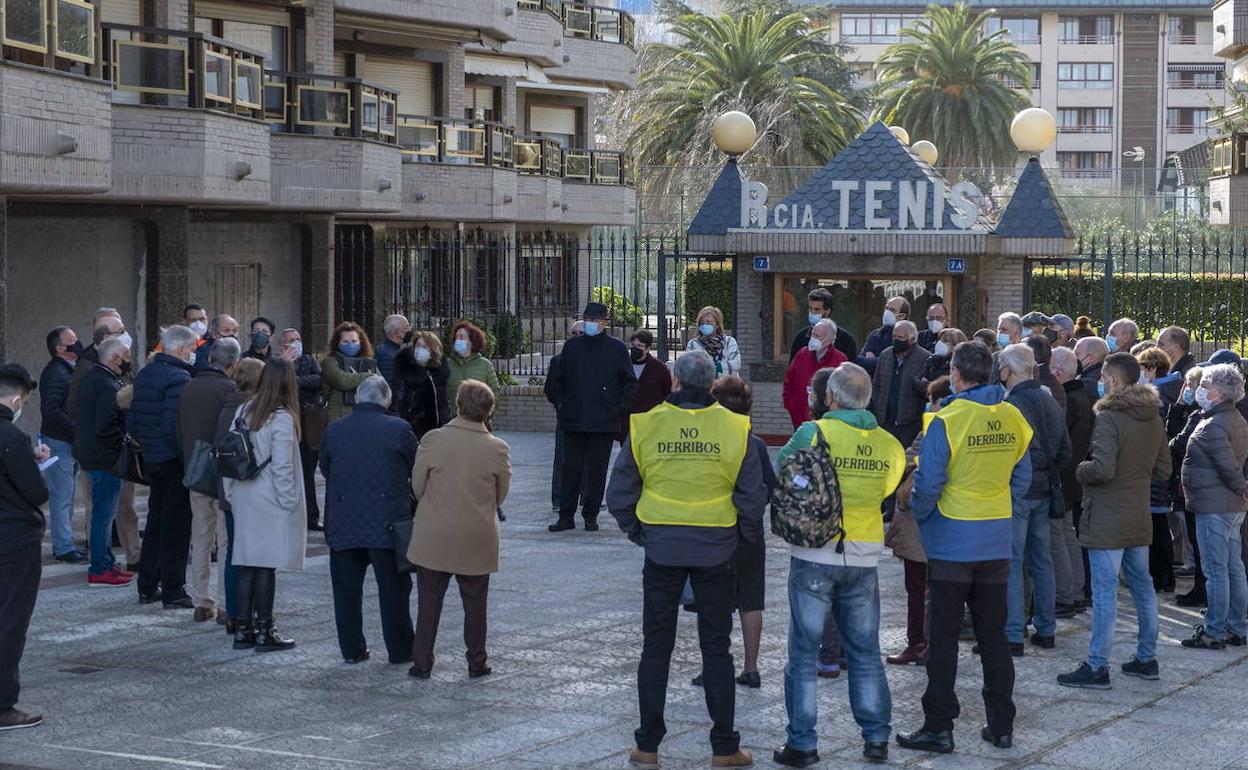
x: 1033, y: 130
x: 902, y: 134
x: 926, y: 151
x: 734, y: 133
x: 1136, y: 154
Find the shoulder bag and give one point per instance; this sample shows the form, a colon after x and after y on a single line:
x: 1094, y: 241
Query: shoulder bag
x: 201, y: 470
x: 129, y: 465
x: 400, y: 531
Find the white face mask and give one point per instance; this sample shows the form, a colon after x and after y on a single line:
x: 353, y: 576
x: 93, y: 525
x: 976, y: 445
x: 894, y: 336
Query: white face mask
x: 16, y: 407
x: 126, y: 339
x: 889, y: 317
x: 1202, y: 398
x: 295, y: 348
x: 199, y: 327
x: 941, y: 348
x: 421, y: 354
x: 189, y: 357
x: 814, y: 345
x: 934, y: 325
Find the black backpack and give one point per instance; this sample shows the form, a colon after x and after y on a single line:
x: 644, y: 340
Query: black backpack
x: 236, y: 457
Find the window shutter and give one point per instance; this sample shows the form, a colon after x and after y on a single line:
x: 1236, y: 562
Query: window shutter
x: 412, y: 79
x: 553, y: 120
x: 121, y: 12
x: 252, y: 13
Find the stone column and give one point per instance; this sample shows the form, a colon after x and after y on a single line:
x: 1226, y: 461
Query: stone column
x: 453, y: 81
x: 168, y: 264
x: 170, y: 14
x: 317, y: 296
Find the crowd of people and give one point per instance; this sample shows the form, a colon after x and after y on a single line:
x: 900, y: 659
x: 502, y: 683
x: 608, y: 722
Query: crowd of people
x: 1015, y: 472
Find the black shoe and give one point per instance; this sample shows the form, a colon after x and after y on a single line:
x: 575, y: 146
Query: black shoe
x: 873, y: 751
x: 562, y: 525
x: 358, y: 658
x: 790, y: 757
x: 696, y: 681
x: 1086, y: 677
x: 591, y: 525
x: 1203, y: 641
x: 72, y: 557
x: 1166, y: 587
x: 750, y: 679
x: 1044, y: 642
x: 419, y: 673
x: 1067, y: 611
x: 938, y: 741
x: 501, y: 516
x: 1149, y: 670
x: 244, y: 634
x: 477, y: 673
x: 1235, y: 641
x: 1191, y: 600
x: 16, y: 719
x: 149, y: 598
x: 1000, y: 741
x: 182, y: 602
x: 1016, y: 650
x: 267, y: 638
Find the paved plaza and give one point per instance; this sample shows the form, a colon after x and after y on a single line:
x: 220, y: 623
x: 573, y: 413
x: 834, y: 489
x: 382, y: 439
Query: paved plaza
x: 129, y: 686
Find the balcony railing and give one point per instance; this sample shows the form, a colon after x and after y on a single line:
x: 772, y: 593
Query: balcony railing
x: 308, y: 103
x: 1182, y: 128
x: 1203, y: 41
x: 1087, y: 40
x: 1228, y: 154
x: 483, y: 143
x: 592, y: 22
x: 1018, y: 84
x: 1084, y: 129
x: 63, y: 31
x: 1087, y: 173
x: 1196, y: 85
x: 188, y: 69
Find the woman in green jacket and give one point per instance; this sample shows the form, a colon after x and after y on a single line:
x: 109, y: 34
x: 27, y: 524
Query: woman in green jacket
x: 348, y: 363
x: 468, y: 363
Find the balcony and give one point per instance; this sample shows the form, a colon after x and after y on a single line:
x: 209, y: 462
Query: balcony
x: 494, y: 18
x: 598, y: 44
x: 187, y: 117
x: 1230, y: 28
x: 1191, y: 129
x: 55, y: 123
x: 1086, y: 40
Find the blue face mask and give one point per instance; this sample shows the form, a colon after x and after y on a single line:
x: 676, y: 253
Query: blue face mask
x: 814, y: 318
x: 1100, y: 390
x: 927, y: 407
x: 1003, y: 339
x: 1189, y: 396
x: 592, y: 328
x: 461, y: 347
x: 1112, y: 342
x: 706, y: 330
x: 349, y: 349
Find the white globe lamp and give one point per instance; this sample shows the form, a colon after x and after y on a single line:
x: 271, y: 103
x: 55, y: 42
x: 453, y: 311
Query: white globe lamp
x: 902, y: 134
x: 734, y: 133
x: 1033, y: 130
x: 926, y: 151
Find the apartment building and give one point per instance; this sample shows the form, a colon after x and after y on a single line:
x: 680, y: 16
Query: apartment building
x: 1228, y: 152
x: 1117, y: 74
x: 311, y: 160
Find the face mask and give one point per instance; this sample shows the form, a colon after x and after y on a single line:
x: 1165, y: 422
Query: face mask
x: 1050, y: 335
x: 592, y: 328
x: 941, y: 348
x: 934, y: 325
x: 889, y: 317
x: 17, y: 409
x: 189, y: 358
x: 1003, y: 339
x: 421, y: 354
x: 296, y: 348
x: 126, y: 339
x: 927, y: 407
x: 124, y: 367
x: 637, y: 355
x: 1112, y: 342
x: 259, y: 340
x: 1202, y: 398
x: 814, y: 318
x: 199, y: 327
x: 1189, y: 396
x: 75, y: 348
x: 900, y: 346
x: 349, y: 349
x: 1100, y: 390
x: 1143, y: 379
x: 706, y: 330
x: 814, y: 346
x: 461, y: 347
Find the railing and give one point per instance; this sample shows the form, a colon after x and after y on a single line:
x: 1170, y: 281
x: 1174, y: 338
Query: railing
x: 1090, y: 85
x: 539, y: 156
x: 1023, y: 39
x: 592, y: 22
x: 1195, y: 85
x: 1084, y: 129
x: 880, y: 39
x: 1087, y: 40
x: 308, y: 103
x: 1200, y: 40
x: 1087, y: 173
x: 1018, y: 84
x: 182, y: 68
x: 26, y: 24
x: 1190, y: 129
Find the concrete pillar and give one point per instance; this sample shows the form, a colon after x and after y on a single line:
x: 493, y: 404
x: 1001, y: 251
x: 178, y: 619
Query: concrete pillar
x: 168, y: 262
x: 320, y: 36
x: 508, y: 91
x: 454, y: 81
x: 317, y: 298
x: 171, y: 14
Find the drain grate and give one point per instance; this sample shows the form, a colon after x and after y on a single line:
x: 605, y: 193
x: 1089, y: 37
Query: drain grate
x: 81, y: 670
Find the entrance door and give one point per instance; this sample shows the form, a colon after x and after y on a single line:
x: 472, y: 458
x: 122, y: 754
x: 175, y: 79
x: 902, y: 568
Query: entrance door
x: 857, y: 302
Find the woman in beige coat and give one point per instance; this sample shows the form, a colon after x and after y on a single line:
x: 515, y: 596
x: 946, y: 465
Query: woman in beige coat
x: 269, y: 511
x: 461, y: 478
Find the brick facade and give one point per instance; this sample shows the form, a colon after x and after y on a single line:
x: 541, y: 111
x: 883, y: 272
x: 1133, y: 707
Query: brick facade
x: 315, y: 173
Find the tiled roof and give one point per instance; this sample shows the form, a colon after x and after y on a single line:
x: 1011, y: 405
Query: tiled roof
x: 722, y: 207
x: 875, y: 155
x: 1033, y: 210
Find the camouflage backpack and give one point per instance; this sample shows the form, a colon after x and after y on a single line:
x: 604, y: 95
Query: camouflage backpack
x: 806, y: 506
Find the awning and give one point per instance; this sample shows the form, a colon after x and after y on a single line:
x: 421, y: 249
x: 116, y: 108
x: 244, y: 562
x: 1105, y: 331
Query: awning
x: 1217, y: 67
x: 551, y: 85
x: 503, y: 67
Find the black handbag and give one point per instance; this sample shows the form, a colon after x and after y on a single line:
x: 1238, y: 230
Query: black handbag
x: 400, y: 531
x: 129, y: 465
x: 201, y: 470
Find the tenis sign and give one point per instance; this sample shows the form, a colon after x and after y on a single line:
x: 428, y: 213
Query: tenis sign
x: 920, y: 206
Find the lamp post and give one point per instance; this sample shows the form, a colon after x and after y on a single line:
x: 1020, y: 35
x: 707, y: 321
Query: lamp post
x: 1033, y: 130
x: 926, y: 152
x: 734, y: 134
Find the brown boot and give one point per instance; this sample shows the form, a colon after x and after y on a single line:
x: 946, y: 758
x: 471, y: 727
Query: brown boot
x: 643, y: 760
x: 908, y: 656
x: 743, y: 758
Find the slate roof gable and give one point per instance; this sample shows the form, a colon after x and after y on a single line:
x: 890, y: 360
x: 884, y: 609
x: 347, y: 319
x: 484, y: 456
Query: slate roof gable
x: 1033, y: 210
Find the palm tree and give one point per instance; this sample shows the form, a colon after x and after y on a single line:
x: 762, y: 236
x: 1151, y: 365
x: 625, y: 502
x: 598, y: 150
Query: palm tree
x: 949, y: 84
x: 774, y: 67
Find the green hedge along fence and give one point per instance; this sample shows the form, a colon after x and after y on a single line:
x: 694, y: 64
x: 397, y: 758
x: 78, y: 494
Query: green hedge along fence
x: 709, y: 284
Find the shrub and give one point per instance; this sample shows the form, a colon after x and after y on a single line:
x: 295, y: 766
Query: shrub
x: 623, y: 312
x: 709, y: 284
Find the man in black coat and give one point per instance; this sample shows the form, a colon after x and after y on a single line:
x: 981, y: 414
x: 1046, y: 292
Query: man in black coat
x: 57, y: 432
x: 592, y: 386
x: 899, y: 393
x: 1068, y: 555
x: 556, y: 471
x: 98, y: 432
x: 819, y: 307
x: 22, y: 491
x: 1091, y: 352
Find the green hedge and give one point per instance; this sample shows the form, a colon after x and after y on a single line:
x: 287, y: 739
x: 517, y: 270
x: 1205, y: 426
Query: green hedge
x: 1211, y: 307
x: 504, y: 336
x: 623, y: 312
x: 709, y: 284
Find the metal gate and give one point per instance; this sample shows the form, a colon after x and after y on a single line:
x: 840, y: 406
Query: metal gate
x: 354, y: 285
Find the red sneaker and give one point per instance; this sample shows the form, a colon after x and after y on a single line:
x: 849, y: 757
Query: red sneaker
x: 119, y: 571
x: 109, y: 578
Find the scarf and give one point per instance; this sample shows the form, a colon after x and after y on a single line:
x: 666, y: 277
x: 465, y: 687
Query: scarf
x: 713, y: 345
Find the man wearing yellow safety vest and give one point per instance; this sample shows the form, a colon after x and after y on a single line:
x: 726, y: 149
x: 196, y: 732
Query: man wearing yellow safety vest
x: 972, y: 463
x: 841, y: 577
x: 685, y: 487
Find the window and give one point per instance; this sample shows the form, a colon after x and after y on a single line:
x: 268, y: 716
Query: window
x: 1181, y: 30
x: 557, y: 123
x: 1086, y: 165
x: 874, y: 27
x: 1086, y: 30
x: 864, y: 73
x: 1188, y: 120
x: 26, y: 25
x: 1035, y: 79
x: 1080, y: 75
x: 1023, y: 30
x: 1084, y: 120
x: 1196, y: 76
x: 548, y: 271
x: 479, y: 102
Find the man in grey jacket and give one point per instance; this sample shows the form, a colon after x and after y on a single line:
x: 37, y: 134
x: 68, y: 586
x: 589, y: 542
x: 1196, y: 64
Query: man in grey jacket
x: 690, y: 532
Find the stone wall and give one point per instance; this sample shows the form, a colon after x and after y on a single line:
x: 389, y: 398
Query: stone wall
x: 524, y: 408
x: 1001, y: 282
x: 458, y: 193
x: 323, y: 173
x: 273, y: 247
x: 596, y: 204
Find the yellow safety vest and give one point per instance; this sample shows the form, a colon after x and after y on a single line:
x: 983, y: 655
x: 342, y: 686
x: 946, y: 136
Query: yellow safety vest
x: 689, y: 460
x: 985, y: 443
x: 869, y: 465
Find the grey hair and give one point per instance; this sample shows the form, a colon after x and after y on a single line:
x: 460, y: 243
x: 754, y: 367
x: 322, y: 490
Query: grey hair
x: 850, y: 385
x: 1127, y: 322
x: 176, y: 337
x: 1192, y: 378
x: 288, y: 330
x: 393, y: 322
x: 1094, y: 345
x: 216, y: 321
x: 108, y: 348
x: 1226, y: 379
x: 224, y: 353
x: 373, y: 390
x: 105, y: 312
x: 905, y: 326
x: 1064, y: 361
x: 826, y: 322
x: 1012, y: 319
x: 1020, y: 358
x: 695, y: 369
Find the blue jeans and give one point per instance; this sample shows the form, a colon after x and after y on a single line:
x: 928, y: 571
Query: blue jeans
x: 105, y: 490
x: 852, y: 594
x: 1222, y: 562
x: 61, y: 479
x: 1105, y: 564
x: 1031, y: 544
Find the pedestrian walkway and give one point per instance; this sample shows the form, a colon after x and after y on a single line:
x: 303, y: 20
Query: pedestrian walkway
x: 125, y: 686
